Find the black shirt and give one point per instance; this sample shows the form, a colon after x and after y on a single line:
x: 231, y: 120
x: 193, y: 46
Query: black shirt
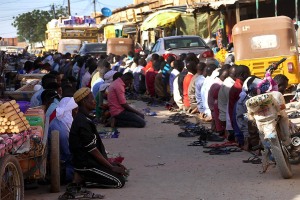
x: 83, y: 139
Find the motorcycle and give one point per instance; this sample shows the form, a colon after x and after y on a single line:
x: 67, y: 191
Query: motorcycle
x: 267, y: 108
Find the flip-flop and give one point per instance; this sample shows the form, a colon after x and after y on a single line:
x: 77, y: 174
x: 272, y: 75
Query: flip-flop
x: 256, y: 161
x: 219, y: 152
x: 234, y: 149
x: 249, y: 159
x: 213, y: 150
x: 198, y: 143
x: 221, y: 145
x: 186, y: 134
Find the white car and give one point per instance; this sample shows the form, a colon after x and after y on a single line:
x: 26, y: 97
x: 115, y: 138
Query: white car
x: 176, y: 45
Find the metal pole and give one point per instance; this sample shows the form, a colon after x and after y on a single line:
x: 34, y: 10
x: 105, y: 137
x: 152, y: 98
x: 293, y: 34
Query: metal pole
x: 257, y: 8
x: 69, y: 8
x: 275, y: 8
x: 94, y: 7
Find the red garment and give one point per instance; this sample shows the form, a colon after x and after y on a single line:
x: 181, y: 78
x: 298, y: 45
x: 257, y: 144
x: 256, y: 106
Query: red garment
x: 213, y: 95
x: 234, y: 94
x: 186, y: 82
x: 150, y: 81
x: 52, y: 116
x: 116, y: 97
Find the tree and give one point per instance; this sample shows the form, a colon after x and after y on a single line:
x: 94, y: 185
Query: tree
x: 31, y: 26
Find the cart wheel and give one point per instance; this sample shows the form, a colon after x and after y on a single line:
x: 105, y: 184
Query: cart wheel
x: 55, y: 162
x: 11, y: 179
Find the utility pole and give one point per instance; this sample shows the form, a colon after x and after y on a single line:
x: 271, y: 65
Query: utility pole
x: 53, y: 11
x: 69, y: 8
x: 94, y: 7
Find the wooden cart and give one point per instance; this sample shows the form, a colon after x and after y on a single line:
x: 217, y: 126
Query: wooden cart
x: 15, y: 165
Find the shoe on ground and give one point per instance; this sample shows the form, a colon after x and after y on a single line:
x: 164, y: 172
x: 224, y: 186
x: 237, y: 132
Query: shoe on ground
x: 214, y: 138
x: 187, y: 134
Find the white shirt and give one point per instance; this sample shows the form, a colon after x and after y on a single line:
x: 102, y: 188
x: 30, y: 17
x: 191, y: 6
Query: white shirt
x: 86, y: 79
x: 198, y: 85
x: 205, y: 88
x: 173, y: 74
x: 176, y: 94
x: 223, y: 97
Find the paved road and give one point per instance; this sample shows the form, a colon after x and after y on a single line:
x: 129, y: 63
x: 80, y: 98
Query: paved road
x: 163, y: 167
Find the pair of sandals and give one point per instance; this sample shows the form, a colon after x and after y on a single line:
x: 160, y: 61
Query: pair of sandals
x: 253, y: 160
x: 222, y: 151
x: 74, y: 191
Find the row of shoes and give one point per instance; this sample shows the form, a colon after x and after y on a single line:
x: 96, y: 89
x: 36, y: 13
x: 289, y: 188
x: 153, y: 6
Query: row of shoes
x: 192, y: 130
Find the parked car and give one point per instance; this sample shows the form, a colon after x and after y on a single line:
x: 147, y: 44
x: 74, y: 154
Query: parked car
x: 93, y: 49
x: 176, y: 45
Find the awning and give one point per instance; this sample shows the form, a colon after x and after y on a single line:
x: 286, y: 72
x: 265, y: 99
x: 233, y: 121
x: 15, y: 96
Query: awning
x: 160, y: 18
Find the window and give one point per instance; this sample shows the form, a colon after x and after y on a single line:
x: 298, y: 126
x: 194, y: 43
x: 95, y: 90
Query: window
x: 184, y: 42
x: 264, y: 42
x: 156, y: 47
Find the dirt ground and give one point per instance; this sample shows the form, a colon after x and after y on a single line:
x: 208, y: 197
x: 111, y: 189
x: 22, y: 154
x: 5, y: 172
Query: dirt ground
x: 163, y: 167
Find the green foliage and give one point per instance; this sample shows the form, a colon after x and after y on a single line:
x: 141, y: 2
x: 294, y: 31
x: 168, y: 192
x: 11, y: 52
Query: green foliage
x: 31, y: 26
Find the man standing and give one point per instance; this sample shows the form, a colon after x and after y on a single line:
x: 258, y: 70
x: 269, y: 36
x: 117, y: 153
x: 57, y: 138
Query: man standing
x: 89, y: 156
x: 124, y: 115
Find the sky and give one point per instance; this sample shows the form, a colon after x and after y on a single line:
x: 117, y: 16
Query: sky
x: 10, y: 8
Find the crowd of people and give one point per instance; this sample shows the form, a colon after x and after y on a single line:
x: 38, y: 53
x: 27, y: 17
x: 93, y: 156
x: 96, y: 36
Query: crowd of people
x: 79, y: 91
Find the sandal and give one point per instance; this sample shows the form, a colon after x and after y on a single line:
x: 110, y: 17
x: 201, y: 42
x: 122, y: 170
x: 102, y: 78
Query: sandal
x: 225, y: 144
x: 85, y: 196
x: 234, y: 149
x: 186, y: 134
x: 217, y: 151
x: 253, y: 159
x: 197, y: 143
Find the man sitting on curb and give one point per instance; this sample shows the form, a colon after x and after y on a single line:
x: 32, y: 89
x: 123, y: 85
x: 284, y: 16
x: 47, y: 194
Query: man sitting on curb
x: 123, y: 114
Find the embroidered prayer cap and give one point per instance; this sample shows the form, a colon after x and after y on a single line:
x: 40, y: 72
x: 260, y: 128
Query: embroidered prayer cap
x: 81, y: 94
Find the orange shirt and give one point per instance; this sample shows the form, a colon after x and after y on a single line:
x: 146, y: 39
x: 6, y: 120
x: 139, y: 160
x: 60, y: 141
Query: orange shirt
x: 186, y: 82
x: 147, y: 67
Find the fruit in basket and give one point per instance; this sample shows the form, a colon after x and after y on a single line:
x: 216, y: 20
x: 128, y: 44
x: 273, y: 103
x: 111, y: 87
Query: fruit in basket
x: 12, y: 120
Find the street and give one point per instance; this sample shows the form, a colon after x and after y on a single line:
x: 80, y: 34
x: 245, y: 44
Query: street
x: 163, y: 167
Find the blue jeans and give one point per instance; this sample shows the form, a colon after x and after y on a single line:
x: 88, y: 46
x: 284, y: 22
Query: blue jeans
x: 129, y: 119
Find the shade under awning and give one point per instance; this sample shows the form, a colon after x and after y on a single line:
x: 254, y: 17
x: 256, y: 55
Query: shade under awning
x: 159, y: 19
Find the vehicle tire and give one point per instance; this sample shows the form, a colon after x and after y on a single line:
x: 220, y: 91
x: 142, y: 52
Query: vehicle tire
x: 295, y: 161
x: 281, y: 159
x: 11, y: 179
x: 55, y: 162
x: 296, y: 143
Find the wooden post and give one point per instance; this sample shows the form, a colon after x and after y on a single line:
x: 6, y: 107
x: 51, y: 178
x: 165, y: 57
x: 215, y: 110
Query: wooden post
x: 196, y: 23
x: 209, y: 24
x: 237, y: 12
x: 55, y: 162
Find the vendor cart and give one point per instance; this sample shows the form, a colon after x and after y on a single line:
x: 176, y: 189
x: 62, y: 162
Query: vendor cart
x: 25, y: 92
x: 24, y: 156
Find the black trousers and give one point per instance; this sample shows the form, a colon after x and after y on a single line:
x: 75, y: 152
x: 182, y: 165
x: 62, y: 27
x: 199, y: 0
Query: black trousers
x: 129, y: 119
x: 100, y: 176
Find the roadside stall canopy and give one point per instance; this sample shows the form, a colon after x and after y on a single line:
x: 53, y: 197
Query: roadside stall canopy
x: 160, y: 18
